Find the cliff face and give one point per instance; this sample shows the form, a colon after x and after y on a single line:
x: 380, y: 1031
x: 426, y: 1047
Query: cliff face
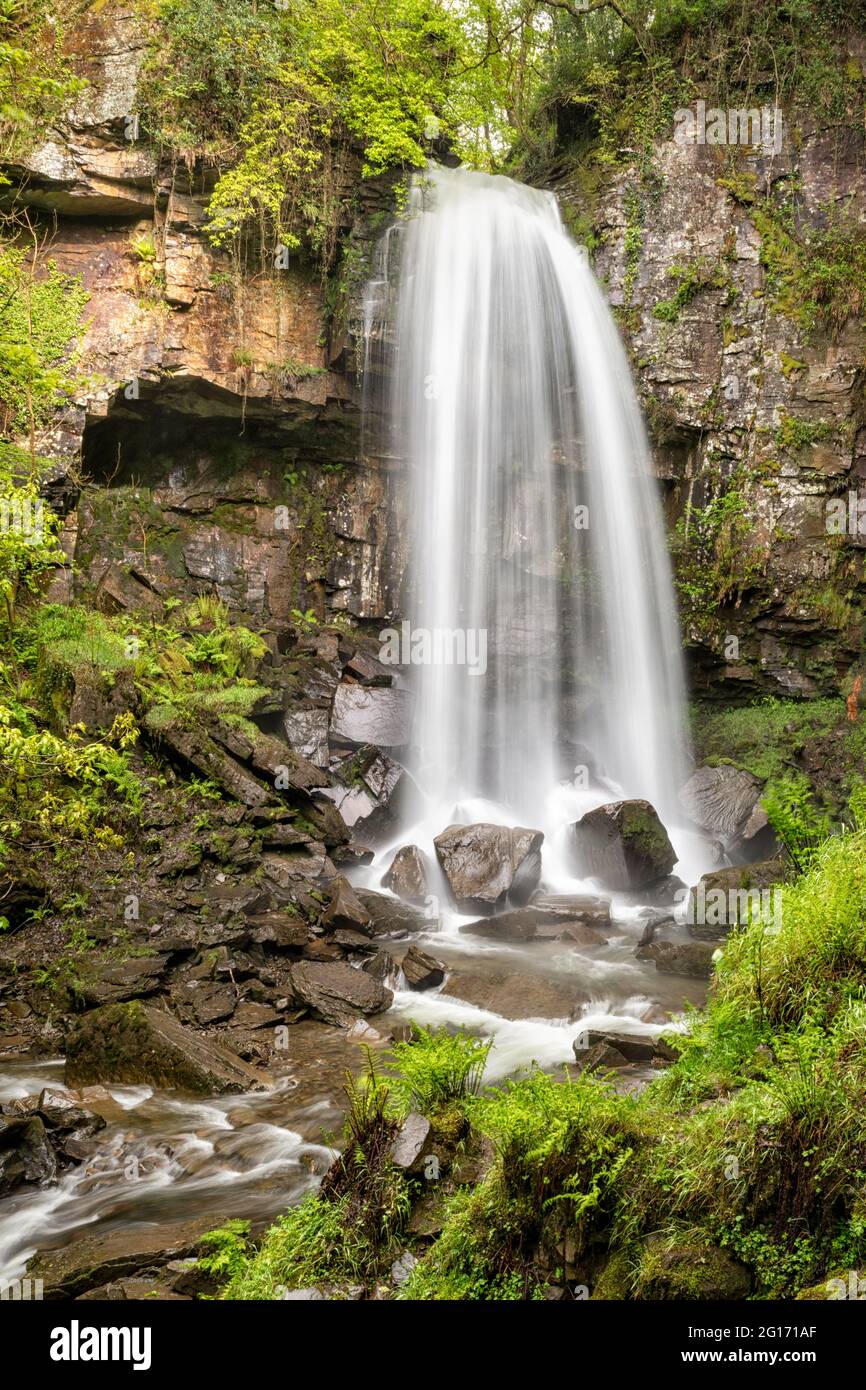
x: 218, y: 416
x: 739, y: 396
x: 217, y: 420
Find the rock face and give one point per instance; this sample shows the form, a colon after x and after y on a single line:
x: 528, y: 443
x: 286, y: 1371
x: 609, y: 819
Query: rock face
x: 721, y: 377
x: 624, y: 845
x: 134, y: 1043
x: 336, y: 993
x: 489, y: 865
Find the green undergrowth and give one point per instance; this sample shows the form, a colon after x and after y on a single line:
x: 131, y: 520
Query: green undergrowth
x: 739, y: 1172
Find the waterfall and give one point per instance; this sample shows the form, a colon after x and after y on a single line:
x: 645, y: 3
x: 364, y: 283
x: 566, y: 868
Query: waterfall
x: 542, y: 612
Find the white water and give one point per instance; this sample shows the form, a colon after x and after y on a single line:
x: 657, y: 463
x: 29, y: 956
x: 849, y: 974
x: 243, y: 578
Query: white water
x: 514, y: 406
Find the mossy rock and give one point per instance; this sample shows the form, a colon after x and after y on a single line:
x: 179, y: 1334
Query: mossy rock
x: 688, y: 1269
x: 136, y: 1044
x: 615, y: 1282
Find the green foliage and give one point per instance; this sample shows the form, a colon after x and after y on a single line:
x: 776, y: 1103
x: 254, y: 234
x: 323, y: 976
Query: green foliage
x: 36, y: 81
x: 701, y: 274
x: 54, y: 789
x: 346, y: 1231
x: 558, y: 1141
x: 794, y: 433
x: 765, y: 736
x: 28, y: 532
x: 226, y: 1249
x: 713, y: 560
x: 435, y: 1068
x: 40, y: 320
x: 798, y: 823
x: 284, y: 95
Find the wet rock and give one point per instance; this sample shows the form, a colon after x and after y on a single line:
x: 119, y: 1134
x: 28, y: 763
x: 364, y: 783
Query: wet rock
x: 599, y: 1057
x: 345, y: 856
x: 540, y: 924
x: 307, y: 862
x: 132, y: 1043
x: 624, y: 845
x: 412, y: 1144
x: 592, y: 911
x: 112, y: 981
x: 345, y: 909
x: 375, y: 715
x: 407, y: 875
x: 62, y: 1114
x: 487, y: 866
x: 633, y: 1048
x: 422, y: 971
x: 26, y: 1155
x: 252, y: 1015
x: 389, y: 917
x: 94, y: 1260
x: 337, y: 993
x: 205, y: 757
x: 279, y: 930
x: 382, y: 966
x: 690, y: 958
x: 516, y: 994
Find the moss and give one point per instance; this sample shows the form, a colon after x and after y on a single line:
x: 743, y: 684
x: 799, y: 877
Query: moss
x: 617, y: 1278
x: 683, y: 1268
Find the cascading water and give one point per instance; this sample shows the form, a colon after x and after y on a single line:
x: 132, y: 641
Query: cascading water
x: 542, y: 588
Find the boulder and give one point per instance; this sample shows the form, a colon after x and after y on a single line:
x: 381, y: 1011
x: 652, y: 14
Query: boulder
x: 337, y: 993
x: 691, y: 958
x: 137, y: 1043
x: 91, y: 1261
x: 407, y: 876
x: 537, y: 923
x: 720, y: 799
x: 345, y: 909
x: 600, y: 1057
x: 632, y: 1047
x: 422, y: 971
x: 487, y: 866
x: 388, y: 917
x: 307, y: 733
x: 592, y: 911
x: 726, y: 802
x: 624, y: 845
x: 724, y: 898
x: 516, y: 994
x: 26, y: 1155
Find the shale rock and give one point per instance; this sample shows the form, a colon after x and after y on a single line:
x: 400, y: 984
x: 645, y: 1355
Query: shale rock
x: 337, y: 993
